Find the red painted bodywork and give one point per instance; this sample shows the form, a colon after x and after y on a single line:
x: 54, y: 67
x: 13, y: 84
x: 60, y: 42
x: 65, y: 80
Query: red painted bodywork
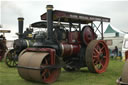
x: 70, y: 49
x: 74, y: 37
x: 51, y: 52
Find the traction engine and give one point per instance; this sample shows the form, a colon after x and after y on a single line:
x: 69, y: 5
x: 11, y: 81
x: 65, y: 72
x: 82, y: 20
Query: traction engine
x: 24, y: 40
x: 3, y: 46
x: 71, y: 43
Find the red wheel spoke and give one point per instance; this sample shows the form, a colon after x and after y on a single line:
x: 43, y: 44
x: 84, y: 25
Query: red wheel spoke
x: 44, y: 77
x: 98, y: 47
x: 44, y: 72
x: 105, y: 57
x: 102, y: 48
x: 96, y: 51
x: 46, y: 61
x: 48, y: 71
x: 95, y: 57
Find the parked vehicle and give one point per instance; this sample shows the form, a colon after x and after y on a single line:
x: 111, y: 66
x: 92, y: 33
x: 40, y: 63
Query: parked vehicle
x: 125, y: 46
x: 72, y: 47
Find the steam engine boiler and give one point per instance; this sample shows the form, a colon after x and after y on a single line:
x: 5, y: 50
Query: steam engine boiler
x: 72, y: 47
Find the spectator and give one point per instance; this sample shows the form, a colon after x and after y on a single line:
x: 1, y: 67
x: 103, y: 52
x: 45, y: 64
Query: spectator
x: 120, y: 55
x: 115, y: 51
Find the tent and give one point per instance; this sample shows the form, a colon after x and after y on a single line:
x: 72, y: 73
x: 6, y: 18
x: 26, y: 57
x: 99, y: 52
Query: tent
x: 112, y: 31
x: 113, y: 37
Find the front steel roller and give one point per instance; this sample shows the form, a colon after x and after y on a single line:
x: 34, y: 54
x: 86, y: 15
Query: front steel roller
x: 97, y: 56
x: 11, y: 58
x: 30, y: 64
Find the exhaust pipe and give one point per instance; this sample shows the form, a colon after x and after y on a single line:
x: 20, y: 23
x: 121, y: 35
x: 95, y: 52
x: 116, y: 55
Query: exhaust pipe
x: 20, y: 26
x: 50, y: 21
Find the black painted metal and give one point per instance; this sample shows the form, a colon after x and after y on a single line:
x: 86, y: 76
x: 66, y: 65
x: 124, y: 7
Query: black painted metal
x: 20, y: 26
x: 41, y: 68
x: 25, y: 40
x: 102, y: 33
x: 50, y: 21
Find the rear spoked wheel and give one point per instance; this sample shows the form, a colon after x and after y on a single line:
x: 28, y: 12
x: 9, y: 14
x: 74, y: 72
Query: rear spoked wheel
x: 11, y: 58
x: 97, y: 56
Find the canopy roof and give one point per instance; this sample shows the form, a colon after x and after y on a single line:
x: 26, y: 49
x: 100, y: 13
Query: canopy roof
x: 43, y: 24
x: 65, y: 16
x: 5, y: 31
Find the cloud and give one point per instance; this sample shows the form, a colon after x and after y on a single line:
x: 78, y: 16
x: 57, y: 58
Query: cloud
x: 32, y: 9
x: 12, y: 6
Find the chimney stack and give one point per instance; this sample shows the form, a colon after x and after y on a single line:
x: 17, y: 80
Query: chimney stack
x: 20, y: 26
x: 50, y: 21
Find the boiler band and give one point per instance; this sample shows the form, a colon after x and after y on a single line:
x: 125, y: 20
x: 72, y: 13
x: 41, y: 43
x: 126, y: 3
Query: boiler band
x: 69, y: 49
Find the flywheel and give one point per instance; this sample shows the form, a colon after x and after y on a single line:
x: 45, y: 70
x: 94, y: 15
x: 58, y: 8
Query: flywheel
x: 88, y: 34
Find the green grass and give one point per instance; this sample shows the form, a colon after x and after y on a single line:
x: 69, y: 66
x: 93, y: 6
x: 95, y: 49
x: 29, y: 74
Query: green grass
x: 9, y: 76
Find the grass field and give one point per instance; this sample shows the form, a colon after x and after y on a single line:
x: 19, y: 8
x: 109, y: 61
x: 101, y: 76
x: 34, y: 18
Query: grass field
x: 9, y: 76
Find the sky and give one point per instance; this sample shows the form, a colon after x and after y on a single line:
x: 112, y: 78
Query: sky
x: 31, y: 10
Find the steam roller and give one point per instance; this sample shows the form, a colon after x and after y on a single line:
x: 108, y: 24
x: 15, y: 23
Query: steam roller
x: 123, y: 80
x: 24, y: 40
x: 70, y: 43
